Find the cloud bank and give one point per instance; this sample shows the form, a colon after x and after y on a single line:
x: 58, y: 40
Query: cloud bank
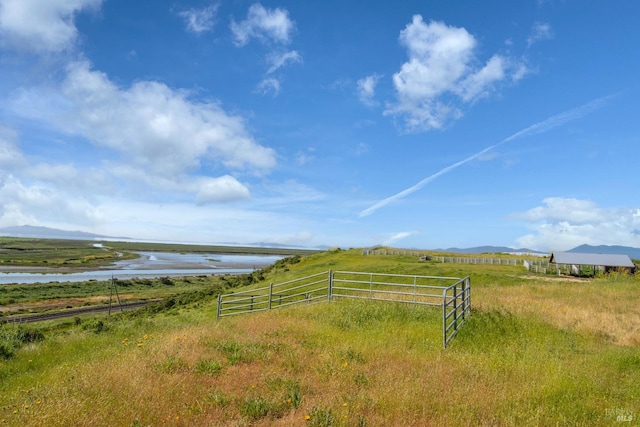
x: 563, y: 223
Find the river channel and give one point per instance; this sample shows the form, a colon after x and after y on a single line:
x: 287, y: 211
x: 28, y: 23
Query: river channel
x: 150, y: 265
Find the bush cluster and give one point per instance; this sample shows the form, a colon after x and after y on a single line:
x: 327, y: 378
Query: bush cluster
x: 13, y: 337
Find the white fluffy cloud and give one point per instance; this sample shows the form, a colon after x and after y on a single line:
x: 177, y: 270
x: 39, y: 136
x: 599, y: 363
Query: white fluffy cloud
x: 149, y: 124
x: 563, y: 223
x: 223, y: 189
x: 263, y: 24
x: 440, y: 76
x: 28, y: 204
x: 42, y: 26
x: 199, y: 20
x: 160, y: 138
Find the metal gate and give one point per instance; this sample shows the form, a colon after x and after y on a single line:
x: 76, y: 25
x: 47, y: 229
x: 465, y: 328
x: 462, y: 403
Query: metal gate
x: 454, y: 298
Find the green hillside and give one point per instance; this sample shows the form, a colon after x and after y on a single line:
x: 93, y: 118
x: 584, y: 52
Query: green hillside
x: 537, y: 350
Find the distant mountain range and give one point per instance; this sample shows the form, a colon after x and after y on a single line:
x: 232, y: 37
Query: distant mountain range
x: 38, y: 232
x: 33, y: 231
x: 633, y: 253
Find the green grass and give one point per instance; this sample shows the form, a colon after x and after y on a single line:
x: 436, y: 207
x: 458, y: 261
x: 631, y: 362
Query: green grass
x: 55, y: 253
x: 526, y: 356
x: 40, y: 297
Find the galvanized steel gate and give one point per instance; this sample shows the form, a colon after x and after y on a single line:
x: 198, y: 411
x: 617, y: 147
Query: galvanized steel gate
x: 451, y: 293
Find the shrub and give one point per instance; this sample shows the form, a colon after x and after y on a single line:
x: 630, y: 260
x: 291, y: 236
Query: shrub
x: 95, y: 325
x: 167, y: 281
x: 13, y: 337
x: 6, y: 350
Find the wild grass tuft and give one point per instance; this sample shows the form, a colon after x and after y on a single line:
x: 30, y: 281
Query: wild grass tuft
x: 208, y: 367
x: 255, y: 408
x: 321, y: 417
x: 172, y: 365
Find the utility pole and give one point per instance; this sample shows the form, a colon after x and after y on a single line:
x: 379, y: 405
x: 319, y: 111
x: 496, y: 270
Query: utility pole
x: 111, y: 288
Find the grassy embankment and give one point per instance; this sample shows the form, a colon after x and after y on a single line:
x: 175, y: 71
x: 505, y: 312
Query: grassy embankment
x: 535, y: 352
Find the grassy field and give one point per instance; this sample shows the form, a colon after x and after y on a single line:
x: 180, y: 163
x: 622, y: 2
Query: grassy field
x: 536, y: 351
x: 54, y: 253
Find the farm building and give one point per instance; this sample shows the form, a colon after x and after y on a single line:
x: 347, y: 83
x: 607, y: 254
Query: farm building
x: 580, y: 264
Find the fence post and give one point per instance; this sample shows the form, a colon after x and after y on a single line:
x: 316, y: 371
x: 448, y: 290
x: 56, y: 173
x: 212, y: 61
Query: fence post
x: 251, y: 302
x: 330, y: 286
x: 270, y: 293
x: 455, y: 308
x: 219, y: 306
x: 444, y: 317
x: 466, y: 304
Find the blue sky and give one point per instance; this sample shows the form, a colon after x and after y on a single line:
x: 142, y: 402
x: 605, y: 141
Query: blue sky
x: 427, y: 124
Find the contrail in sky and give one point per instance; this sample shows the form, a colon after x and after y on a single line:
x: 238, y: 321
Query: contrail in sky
x: 540, y: 127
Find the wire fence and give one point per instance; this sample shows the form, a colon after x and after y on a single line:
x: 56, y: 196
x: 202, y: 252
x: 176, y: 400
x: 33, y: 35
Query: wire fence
x: 539, y: 266
x: 482, y: 260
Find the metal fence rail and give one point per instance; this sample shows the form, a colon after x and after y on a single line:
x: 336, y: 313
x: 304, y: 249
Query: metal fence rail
x: 390, y: 287
x: 304, y: 289
x: 455, y: 299
x: 456, y: 307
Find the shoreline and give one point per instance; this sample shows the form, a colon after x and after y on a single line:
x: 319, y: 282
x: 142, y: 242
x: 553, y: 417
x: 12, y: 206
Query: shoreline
x: 186, y: 266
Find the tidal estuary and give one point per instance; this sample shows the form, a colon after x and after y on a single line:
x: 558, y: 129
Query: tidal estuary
x: 149, y: 265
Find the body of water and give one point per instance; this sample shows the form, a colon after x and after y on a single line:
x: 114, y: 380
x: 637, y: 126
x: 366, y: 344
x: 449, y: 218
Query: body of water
x: 151, y: 265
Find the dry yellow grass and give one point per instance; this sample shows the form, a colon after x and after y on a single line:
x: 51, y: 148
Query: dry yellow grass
x: 611, y: 310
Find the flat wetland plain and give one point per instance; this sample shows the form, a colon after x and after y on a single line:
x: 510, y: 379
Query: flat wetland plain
x: 537, y: 350
x: 50, y: 256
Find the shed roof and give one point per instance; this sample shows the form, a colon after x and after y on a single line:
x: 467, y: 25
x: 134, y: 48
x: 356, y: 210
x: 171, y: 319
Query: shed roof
x: 576, y: 258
